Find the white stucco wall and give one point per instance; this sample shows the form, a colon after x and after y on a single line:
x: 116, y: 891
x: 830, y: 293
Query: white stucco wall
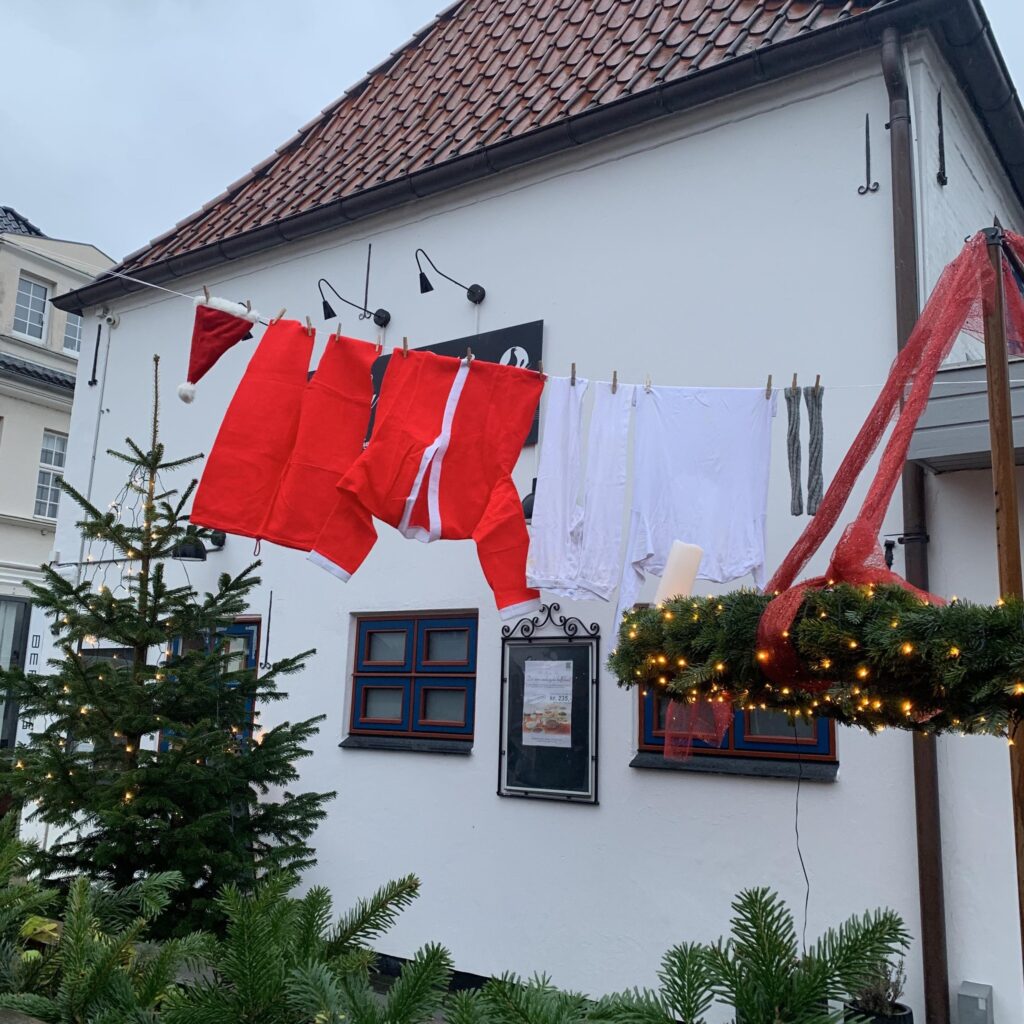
x: 713, y: 249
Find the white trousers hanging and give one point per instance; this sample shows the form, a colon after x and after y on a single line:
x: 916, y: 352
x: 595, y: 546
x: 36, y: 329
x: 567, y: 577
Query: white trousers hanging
x: 700, y: 475
x: 576, y: 549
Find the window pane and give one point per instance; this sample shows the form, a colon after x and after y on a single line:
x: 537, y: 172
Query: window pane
x: 776, y: 725
x: 55, y: 447
x: 449, y: 645
x: 237, y: 649
x: 661, y: 714
x: 382, y: 703
x: 47, y: 493
x: 444, y: 705
x: 386, y: 646
x: 73, y: 333
x: 30, y: 308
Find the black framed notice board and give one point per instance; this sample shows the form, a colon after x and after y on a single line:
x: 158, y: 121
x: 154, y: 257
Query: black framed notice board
x: 549, y: 708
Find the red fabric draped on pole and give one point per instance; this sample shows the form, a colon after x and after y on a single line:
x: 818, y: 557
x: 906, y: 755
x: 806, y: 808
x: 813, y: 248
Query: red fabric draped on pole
x: 957, y: 304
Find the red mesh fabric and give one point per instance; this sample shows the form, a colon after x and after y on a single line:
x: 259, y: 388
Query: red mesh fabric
x: 707, y: 721
x: 958, y: 302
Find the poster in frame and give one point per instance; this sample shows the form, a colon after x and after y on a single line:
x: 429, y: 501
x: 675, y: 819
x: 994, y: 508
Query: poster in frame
x: 549, y: 708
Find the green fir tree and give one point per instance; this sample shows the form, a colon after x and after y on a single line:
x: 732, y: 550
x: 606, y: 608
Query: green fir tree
x: 153, y: 760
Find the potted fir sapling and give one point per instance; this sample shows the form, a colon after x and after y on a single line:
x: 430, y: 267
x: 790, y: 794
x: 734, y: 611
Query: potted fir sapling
x: 877, y: 1001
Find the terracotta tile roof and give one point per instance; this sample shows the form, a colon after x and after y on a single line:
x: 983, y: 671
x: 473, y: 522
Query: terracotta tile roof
x: 13, y: 223
x: 484, y: 72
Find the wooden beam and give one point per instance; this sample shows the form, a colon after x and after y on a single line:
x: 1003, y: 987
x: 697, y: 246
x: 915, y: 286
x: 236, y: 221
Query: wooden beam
x: 1004, y: 491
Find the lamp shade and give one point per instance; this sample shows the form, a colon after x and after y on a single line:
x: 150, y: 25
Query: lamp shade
x: 425, y: 285
x: 189, y: 549
x: 328, y: 310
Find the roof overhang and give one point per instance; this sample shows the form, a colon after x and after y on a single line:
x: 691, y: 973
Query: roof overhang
x: 959, y: 26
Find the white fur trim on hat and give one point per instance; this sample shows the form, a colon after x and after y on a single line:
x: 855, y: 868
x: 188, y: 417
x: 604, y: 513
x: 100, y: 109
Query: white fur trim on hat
x: 186, y: 392
x: 226, y: 306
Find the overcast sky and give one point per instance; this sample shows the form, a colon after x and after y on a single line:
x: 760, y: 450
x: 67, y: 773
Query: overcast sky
x: 121, y: 117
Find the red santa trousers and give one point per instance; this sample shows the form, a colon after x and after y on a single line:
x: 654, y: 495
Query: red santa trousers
x: 446, y: 438
x: 255, y: 440
x: 331, y: 431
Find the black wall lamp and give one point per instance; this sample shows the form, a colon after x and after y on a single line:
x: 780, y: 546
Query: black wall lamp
x: 381, y: 317
x: 475, y: 292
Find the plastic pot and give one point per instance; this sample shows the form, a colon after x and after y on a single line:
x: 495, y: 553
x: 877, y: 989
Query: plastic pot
x: 901, y: 1015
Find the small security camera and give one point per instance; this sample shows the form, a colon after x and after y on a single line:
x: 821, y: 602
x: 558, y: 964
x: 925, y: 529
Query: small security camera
x: 111, y: 319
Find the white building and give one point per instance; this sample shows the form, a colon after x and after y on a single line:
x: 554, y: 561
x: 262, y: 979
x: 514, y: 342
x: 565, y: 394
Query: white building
x: 39, y: 351
x: 677, y: 190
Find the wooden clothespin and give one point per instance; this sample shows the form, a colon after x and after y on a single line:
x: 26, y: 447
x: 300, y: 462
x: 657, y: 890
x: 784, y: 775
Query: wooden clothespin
x: 540, y: 367
x: 405, y: 347
x: 793, y: 388
x: 309, y: 327
x: 280, y: 316
x: 337, y: 330
x: 469, y: 355
x: 615, y: 381
x: 647, y: 383
x: 248, y: 305
x: 572, y: 376
x: 206, y: 293
x: 768, y: 388
x: 817, y: 382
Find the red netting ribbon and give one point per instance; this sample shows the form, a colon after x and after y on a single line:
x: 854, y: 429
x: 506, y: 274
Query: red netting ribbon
x: 958, y: 303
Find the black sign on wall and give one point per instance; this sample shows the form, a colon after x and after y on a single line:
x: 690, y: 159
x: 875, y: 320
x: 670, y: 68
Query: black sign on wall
x: 521, y: 346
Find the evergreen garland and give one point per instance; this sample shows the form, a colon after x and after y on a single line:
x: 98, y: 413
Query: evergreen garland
x: 878, y: 656
x: 213, y: 805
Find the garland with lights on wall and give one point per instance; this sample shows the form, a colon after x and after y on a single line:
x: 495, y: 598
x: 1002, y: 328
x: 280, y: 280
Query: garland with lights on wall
x: 858, y: 645
x: 870, y: 657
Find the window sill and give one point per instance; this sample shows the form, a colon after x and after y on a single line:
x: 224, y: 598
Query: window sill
x: 407, y: 744
x: 28, y: 339
x: 763, y: 768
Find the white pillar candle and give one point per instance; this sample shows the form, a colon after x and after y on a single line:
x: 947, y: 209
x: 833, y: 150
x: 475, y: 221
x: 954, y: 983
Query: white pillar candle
x: 680, y: 571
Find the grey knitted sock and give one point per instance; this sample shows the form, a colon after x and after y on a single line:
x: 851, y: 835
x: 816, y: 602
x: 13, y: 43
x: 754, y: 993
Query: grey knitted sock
x: 813, y: 397
x: 796, y: 501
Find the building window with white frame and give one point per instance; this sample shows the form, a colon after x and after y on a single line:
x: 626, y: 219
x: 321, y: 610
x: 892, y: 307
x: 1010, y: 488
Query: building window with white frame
x: 73, y: 334
x: 30, y: 308
x: 51, y: 472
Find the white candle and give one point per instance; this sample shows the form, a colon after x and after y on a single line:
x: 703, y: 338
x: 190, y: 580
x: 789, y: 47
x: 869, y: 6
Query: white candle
x: 680, y: 571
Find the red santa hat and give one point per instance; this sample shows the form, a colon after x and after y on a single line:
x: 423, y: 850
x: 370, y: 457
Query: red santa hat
x: 219, y: 324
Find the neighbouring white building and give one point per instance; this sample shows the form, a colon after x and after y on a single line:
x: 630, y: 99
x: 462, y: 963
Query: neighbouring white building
x: 39, y: 351
x: 685, y: 190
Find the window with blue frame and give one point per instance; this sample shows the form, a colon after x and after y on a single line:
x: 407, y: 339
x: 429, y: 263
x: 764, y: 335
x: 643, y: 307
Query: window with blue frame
x: 241, y: 642
x: 762, y: 735
x: 414, y: 676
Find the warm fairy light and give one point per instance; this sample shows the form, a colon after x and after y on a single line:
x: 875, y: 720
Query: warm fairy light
x: 681, y: 663
x: 852, y: 645
x: 696, y: 617
x: 895, y: 624
x: 822, y: 615
x: 129, y: 748
x: 907, y: 706
x: 785, y: 691
x: 877, y: 705
x: 862, y: 673
x: 785, y: 634
x: 661, y: 679
x: 826, y: 663
x: 669, y: 615
x: 662, y: 660
x: 1000, y: 602
x: 907, y: 648
x: 1019, y: 689
x: 720, y: 607
x: 128, y: 796
x: 19, y: 764
x: 644, y: 692
x: 719, y: 666
x: 831, y: 583
x: 83, y: 711
x: 762, y: 656
x: 632, y: 634
x: 954, y: 652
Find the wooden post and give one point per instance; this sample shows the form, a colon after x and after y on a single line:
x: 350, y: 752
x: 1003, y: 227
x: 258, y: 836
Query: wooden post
x: 1004, y: 490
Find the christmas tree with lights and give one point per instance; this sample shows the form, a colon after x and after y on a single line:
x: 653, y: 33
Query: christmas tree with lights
x: 144, y: 751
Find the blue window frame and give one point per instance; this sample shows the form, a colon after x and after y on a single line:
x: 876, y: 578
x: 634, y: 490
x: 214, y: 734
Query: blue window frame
x: 415, y: 675
x: 243, y: 639
x: 753, y: 734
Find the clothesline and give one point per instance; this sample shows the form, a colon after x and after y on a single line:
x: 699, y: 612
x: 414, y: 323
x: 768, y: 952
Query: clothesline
x: 79, y: 266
